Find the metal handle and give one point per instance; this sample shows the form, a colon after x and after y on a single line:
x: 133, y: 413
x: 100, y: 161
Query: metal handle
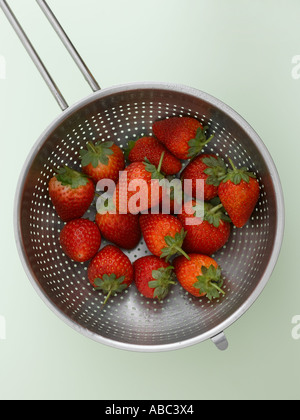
x: 220, y: 341
x: 37, y: 60
x: 69, y: 45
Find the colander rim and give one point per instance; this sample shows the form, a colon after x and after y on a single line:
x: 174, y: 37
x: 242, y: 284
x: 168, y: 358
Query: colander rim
x: 198, y: 94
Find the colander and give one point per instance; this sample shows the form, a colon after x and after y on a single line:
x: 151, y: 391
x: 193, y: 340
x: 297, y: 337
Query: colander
x: 122, y: 113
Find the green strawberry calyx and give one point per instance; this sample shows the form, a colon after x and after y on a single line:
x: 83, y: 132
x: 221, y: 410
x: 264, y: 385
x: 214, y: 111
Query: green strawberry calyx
x: 236, y: 176
x: 130, y: 147
x: 174, y: 246
x: 155, y: 171
x: 96, y: 153
x: 163, y: 279
x: 210, y: 282
x: 213, y: 214
x: 216, y: 170
x: 197, y: 144
x: 110, y: 285
x: 70, y: 178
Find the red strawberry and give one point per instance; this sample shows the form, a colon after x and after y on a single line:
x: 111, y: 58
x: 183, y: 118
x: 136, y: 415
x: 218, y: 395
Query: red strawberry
x: 80, y: 240
x: 122, y: 230
x: 151, y: 149
x: 184, y: 137
x: 153, y: 277
x: 206, y: 167
x: 200, y: 276
x: 136, y: 191
x: 110, y: 271
x: 163, y: 234
x: 103, y: 160
x: 239, y: 193
x: 205, y: 235
x: 71, y: 193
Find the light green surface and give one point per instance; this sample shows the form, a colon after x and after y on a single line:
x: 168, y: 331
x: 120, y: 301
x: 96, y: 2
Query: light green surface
x: 239, y: 51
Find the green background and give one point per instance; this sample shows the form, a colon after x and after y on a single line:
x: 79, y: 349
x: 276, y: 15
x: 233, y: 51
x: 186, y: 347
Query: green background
x: 237, y: 50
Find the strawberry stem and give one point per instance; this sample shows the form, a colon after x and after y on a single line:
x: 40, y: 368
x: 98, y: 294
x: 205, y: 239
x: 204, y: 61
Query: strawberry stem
x: 237, y: 175
x: 232, y: 164
x: 107, y: 298
x: 218, y: 288
x: 163, y: 279
x: 92, y: 147
x: 161, y: 162
x: 109, y: 284
x: 197, y: 144
x: 174, y: 245
x: 213, y: 215
x: 182, y: 252
x: 210, y: 282
x: 155, y: 171
x: 71, y: 177
x: 209, y: 140
x: 215, y: 209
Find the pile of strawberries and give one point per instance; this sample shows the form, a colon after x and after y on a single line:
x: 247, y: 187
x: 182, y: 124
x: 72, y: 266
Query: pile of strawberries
x: 179, y: 249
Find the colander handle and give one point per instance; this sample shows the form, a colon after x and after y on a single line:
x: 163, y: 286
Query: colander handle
x: 69, y: 45
x: 37, y: 60
x: 220, y: 341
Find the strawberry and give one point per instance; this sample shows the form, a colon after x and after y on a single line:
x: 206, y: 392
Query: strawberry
x: 184, y: 137
x: 200, y: 276
x: 136, y: 191
x: 163, y: 234
x: 122, y: 230
x: 150, y: 148
x: 208, y: 234
x: 71, y: 193
x: 110, y: 271
x: 153, y: 277
x: 206, y: 167
x: 103, y: 160
x: 80, y: 240
x: 239, y: 193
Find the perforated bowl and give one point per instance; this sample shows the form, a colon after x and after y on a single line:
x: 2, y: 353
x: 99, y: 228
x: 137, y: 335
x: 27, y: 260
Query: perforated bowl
x: 130, y: 321
x: 122, y: 113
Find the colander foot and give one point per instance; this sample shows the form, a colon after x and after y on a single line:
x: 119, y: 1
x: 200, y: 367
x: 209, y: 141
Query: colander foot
x: 220, y: 341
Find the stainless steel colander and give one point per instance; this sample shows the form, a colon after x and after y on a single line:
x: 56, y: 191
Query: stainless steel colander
x: 129, y: 321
